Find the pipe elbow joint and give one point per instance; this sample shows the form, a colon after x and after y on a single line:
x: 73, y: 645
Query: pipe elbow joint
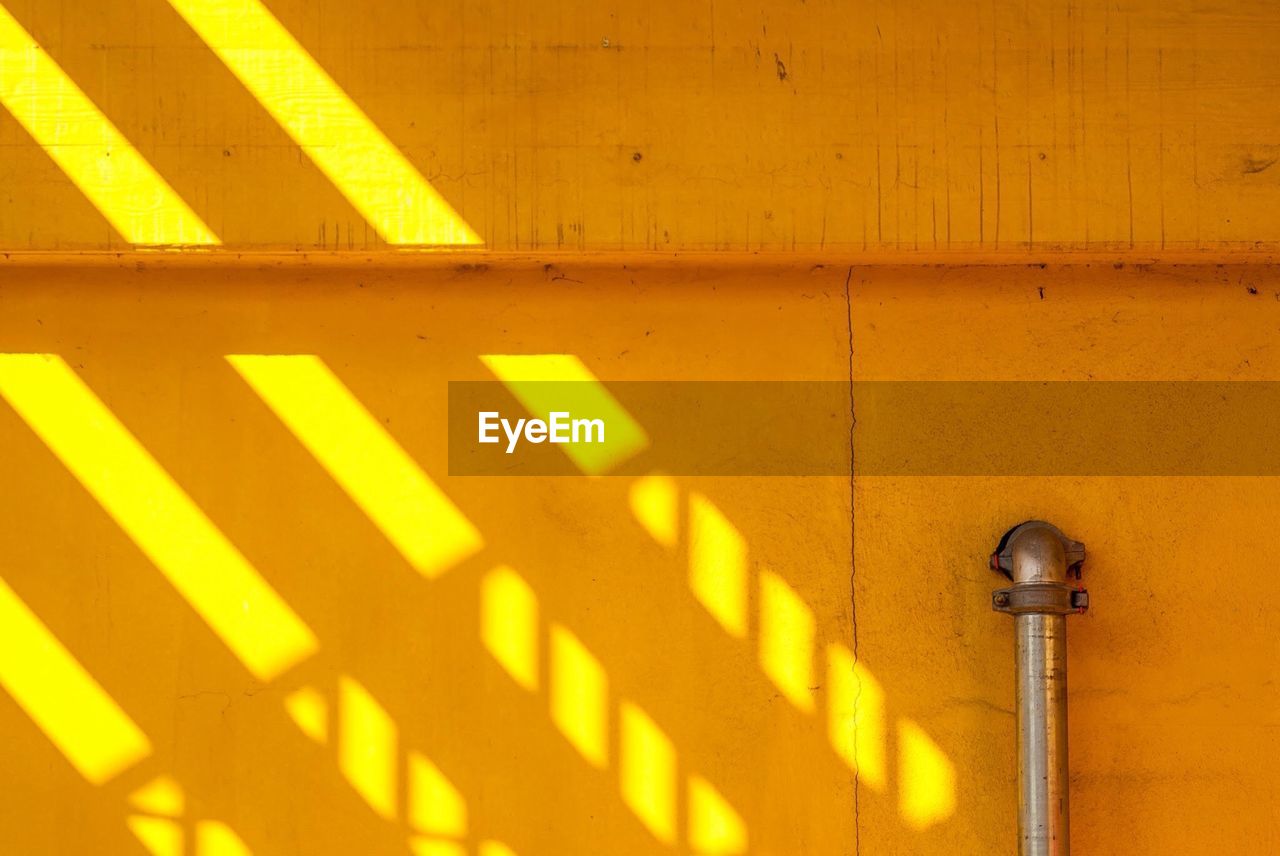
x: 1037, y: 552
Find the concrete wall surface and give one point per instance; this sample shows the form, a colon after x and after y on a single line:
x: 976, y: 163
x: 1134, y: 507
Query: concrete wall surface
x: 962, y: 265
x: 211, y: 480
x: 821, y: 125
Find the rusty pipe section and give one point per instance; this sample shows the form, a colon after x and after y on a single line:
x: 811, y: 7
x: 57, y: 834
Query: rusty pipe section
x: 1038, y: 559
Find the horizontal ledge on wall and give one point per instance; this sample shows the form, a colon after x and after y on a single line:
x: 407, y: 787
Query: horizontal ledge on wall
x: 479, y: 260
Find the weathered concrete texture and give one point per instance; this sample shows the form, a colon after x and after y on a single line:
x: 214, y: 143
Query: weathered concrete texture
x: 825, y: 125
x: 1173, y: 698
x: 150, y: 343
x: 1173, y: 675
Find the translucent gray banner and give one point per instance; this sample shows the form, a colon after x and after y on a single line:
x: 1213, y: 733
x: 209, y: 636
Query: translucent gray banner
x: 774, y: 428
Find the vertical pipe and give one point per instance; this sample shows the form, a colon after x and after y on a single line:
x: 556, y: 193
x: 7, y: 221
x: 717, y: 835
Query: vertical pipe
x: 1041, y: 656
x: 1036, y: 557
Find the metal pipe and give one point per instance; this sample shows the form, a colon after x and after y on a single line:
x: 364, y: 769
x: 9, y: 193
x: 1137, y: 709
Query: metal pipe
x: 1037, y: 558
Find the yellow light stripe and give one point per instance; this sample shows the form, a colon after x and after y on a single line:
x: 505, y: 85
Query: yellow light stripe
x: 561, y: 382
x: 84, y: 144
x: 435, y: 805
x: 509, y: 624
x: 856, y: 720
x: 342, y: 141
x: 495, y: 848
x: 715, y: 829
x: 367, y: 746
x: 310, y: 712
x: 718, y: 565
x: 379, y: 476
x: 787, y: 629
x: 215, y: 838
x: 206, y: 569
x: 423, y: 846
x: 655, y: 502
x: 159, y: 835
x: 578, y: 695
x: 926, y: 778
x: 647, y: 772
x: 579, y: 690
x: 68, y: 705
x: 161, y: 797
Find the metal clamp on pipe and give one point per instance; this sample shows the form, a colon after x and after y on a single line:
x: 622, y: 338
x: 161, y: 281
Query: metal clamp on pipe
x: 1044, y: 598
x: 1037, y: 557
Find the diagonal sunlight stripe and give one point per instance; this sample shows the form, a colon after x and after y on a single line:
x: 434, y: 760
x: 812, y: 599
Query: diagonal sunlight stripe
x: 206, y: 569
x: 215, y: 838
x: 342, y: 141
x: 786, y: 634
x: 561, y: 382
x: 715, y: 829
x: 435, y: 806
x: 169, y: 833
x: 163, y: 828
x: 397, y: 785
x: 509, y: 624
x: 69, y: 706
x: 579, y: 696
x: 648, y: 765
x: 856, y: 721
x: 133, y: 197
x: 159, y: 836
x: 379, y: 475
x: 856, y: 725
x: 926, y: 778
x: 162, y: 797
x: 718, y: 565
x: 647, y: 771
x: 367, y: 745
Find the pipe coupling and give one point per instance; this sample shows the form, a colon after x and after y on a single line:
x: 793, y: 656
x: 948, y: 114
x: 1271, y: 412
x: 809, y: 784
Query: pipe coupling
x: 1038, y: 559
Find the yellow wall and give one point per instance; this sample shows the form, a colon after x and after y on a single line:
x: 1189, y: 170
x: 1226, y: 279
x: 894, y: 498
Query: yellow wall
x: 1172, y: 673
x: 915, y: 125
x: 151, y: 346
x: 246, y: 609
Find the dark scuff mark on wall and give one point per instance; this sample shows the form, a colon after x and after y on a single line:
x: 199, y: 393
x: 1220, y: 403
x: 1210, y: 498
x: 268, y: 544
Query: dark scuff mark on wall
x: 1253, y: 166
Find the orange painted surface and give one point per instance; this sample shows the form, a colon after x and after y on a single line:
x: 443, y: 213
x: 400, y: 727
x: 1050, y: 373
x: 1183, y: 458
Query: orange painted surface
x: 248, y: 610
x: 616, y: 706
x: 645, y: 726
x: 920, y: 125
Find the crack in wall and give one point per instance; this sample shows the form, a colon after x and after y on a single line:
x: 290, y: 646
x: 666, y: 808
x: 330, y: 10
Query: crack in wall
x: 853, y: 600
